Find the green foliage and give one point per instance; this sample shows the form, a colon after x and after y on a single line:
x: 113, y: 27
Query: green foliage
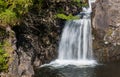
x: 69, y: 17
x: 11, y: 10
x: 77, y: 1
x: 3, y: 59
x: 8, y: 17
x: 2, y: 33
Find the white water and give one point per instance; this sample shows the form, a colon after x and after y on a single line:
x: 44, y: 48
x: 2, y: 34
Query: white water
x: 76, y: 42
x: 75, y: 47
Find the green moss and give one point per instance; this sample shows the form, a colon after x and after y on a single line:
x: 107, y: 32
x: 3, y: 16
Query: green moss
x: 109, y: 32
x: 8, y: 17
x: 77, y: 1
x: 3, y: 58
x: 69, y: 17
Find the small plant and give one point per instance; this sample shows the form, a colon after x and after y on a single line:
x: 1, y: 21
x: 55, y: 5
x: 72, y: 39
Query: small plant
x: 69, y: 17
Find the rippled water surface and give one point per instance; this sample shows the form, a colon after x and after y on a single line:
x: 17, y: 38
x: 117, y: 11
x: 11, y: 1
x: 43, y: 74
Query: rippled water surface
x: 104, y: 70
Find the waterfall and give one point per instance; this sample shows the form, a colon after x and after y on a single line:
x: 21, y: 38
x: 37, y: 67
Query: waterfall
x: 76, y: 40
x: 75, y: 47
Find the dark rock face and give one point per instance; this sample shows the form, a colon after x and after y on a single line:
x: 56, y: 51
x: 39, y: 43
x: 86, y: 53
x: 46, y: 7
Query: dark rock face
x: 36, y: 45
x: 106, y: 30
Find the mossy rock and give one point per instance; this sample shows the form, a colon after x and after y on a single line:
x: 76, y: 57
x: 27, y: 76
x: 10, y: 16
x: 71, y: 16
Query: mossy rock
x: 3, y: 58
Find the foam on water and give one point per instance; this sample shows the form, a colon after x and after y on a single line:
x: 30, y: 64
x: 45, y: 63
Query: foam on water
x: 79, y: 63
x: 75, y: 62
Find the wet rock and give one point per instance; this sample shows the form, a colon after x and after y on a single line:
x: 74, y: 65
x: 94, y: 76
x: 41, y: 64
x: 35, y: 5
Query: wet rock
x: 106, y: 30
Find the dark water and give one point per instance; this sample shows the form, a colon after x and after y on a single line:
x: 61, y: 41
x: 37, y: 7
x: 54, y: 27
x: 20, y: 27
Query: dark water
x: 104, y: 70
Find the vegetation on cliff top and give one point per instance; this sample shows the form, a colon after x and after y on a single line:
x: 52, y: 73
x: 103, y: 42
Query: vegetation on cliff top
x: 12, y: 10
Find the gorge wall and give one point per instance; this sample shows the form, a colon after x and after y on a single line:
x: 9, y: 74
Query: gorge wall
x: 106, y: 30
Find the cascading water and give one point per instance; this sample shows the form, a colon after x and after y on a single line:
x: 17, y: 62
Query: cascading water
x: 76, y: 41
x: 75, y: 47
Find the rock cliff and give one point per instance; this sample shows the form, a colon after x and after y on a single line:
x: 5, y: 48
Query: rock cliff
x: 106, y: 30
